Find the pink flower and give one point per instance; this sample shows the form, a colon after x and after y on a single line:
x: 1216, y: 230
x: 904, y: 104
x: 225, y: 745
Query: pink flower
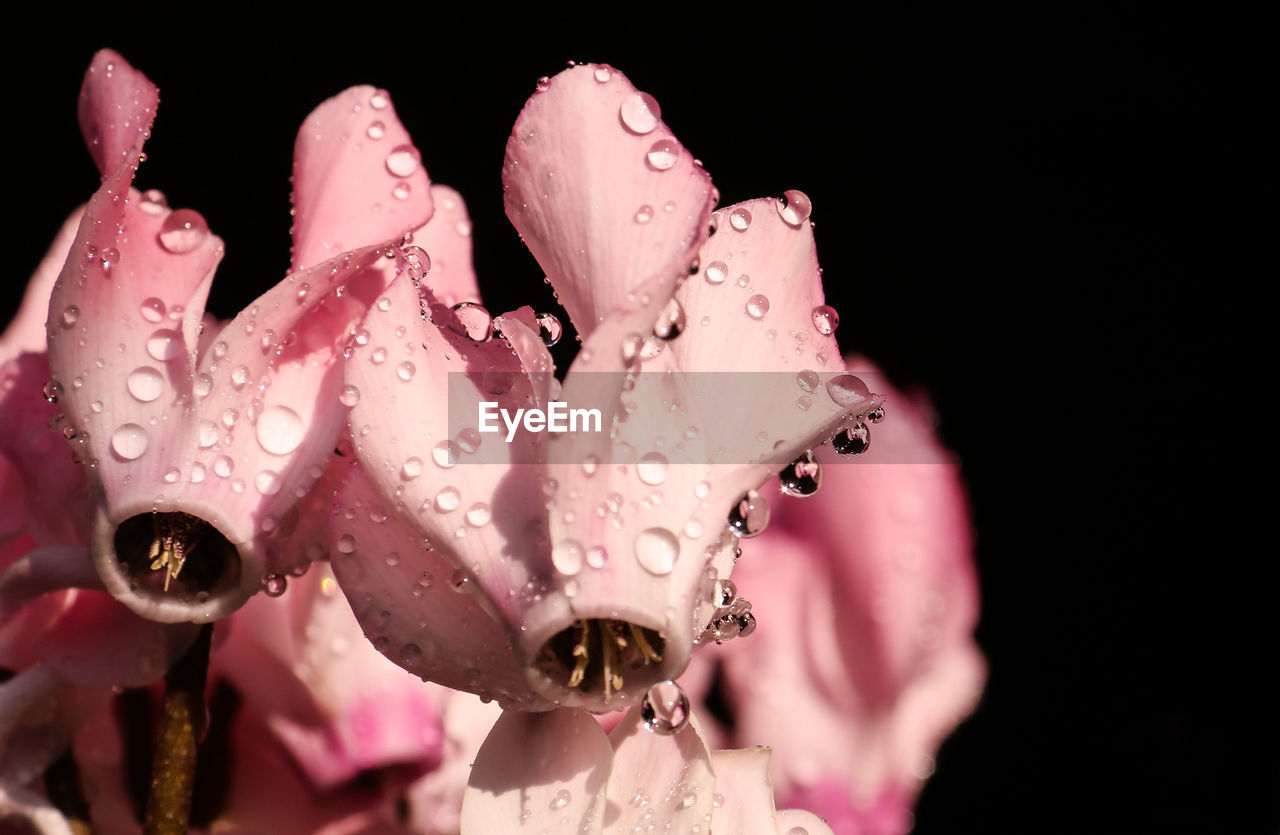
x: 584, y: 559
x: 863, y: 660
x: 559, y: 771
x: 199, y: 445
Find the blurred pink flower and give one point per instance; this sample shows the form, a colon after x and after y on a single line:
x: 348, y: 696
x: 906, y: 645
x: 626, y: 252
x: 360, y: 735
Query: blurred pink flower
x: 584, y: 560
x: 863, y: 660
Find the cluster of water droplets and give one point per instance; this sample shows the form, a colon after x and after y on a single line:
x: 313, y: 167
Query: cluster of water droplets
x: 731, y: 614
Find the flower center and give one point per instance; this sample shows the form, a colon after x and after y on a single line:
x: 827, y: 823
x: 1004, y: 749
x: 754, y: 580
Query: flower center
x: 176, y: 549
x: 595, y: 655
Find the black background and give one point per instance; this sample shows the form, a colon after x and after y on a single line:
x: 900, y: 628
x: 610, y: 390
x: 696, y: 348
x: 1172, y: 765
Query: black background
x: 1029, y: 215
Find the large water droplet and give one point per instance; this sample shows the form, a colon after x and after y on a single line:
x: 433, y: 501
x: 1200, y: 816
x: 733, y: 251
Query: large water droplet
x: 717, y: 272
x: 750, y: 516
x: 446, y: 454
x: 803, y: 476
x: 145, y: 383
x: 473, y: 321
x: 665, y: 708
x: 663, y: 155
x: 794, y: 207
x: 567, y: 556
x: 405, y: 371
x: 183, y: 231
x: 279, y: 430
x: 640, y: 113
x: 403, y: 160
x: 825, y: 319
x: 852, y: 441
x: 223, y: 466
x: 274, y: 585
x: 448, y: 499
x: 349, y: 396
x: 165, y: 345
x: 652, y: 468
x: 757, y: 306
x: 849, y: 392
x: 549, y: 328
x: 268, y: 482
x: 478, y: 515
x: 129, y: 441
x: 740, y: 219
x: 152, y: 309
x: 656, y: 550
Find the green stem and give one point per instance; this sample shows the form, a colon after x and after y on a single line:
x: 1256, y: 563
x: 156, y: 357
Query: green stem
x: 173, y: 768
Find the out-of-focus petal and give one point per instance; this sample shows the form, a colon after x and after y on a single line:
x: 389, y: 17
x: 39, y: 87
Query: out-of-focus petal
x: 744, y: 795
x: 357, y: 178
x: 447, y: 241
x: 39, y: 714
x: 44, y: 570
x: 543, y: 771
x: 667, y: 779
x: 601, y: 191
x: 25, y: 332
x: 23, y: 811
x: 436, y: 799
x: 802, y: 822
x: 116, y: 108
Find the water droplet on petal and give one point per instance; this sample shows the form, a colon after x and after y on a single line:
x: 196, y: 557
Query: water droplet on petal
x: 656, y: 550
x: 750, y: 516
x: 346, y: 544
x: 145, y: 383
x: 640, y: 113
x: 152, y: 309
x: 446, y: 454
x: 825, y: 319
x: 717, y: 272
x: 448, y: 499
x: 849, y: 392
x: 349, y: 396
x: 602, y: 74
x: 740, y: 219
x: 274, y: 585
x: 549, y: 328
x: 412, y: 468
x: 644, y: 214
x: 268, y: 482
x: 803, y: 476
x: 405, y: 371
x: 852, y: 441
x: 165, y: 345
x: 153, y: 202
x: 665, y: 708
x: 757, y: 306
x: 671, y: 321
x: 474, y: 321
x: 403, y: 160
x: 561, y: 799
x: 376, y: 130
x: 379, y: 100
x: 70, y: 315
x: 876, y: 415
x: 567, y: 556
x: 279, y: 430
x: 808, y: 380
x: 401, y: 190
x: 129, y: 441
x: 663, y: 154
x: 652, y: 468
x: 794, y: 207
x: 223, y: 466
x: 478, y: 515
x: 183, y: 231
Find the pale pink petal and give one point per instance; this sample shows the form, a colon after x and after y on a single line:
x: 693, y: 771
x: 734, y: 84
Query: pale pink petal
x: 744, y: 795
x: 25, y: 332
x: 351, y: 709
x: 447, y: 241
x: 601, y: 191
x: 801, y: 822
x: 23, y: 811
x: 664, y: 779
x: 436, y: 799
x: 413, y: 603
x: 117, y: 106
x: 54, y: 495
x: 39, y: 714
x: 43, y: 570
x: 12, y: 519
x: 540, y: 771
x: 357, y: 178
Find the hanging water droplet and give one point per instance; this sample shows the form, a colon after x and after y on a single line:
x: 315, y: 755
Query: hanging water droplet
x: 671, y: 321
x: 129, y: 441
x: 852, y: 441
x: 567, y: 556
x: 52, y: 391
x: 794, y: 207
x: 663, y: 155
x: 740, y: 219
x: 473, y: 321
x: 757, y: 306
x: 750, y: 516
x: 803, y: 476
x: 746, y: 624
x: 549, y: 328
x: 652, y: 468
x: 849, y: 392
x: 825, y: 319
x: 876, y: 415
x: 165, y: 345
x: 723, y: 594
x: 274, y: 585
x: 183, y: 231
x: 665, y: 708
x: 640, y: 113
x: 145, y: 384
x: 656, y: 550
x: 402, y: 161
x: 644, y: 214
x: 70, y: 315
x: 349, y: 396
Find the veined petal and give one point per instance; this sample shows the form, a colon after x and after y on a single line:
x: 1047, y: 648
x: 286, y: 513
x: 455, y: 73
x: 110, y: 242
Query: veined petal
x: 357, y: 178
x: 664, y: 779
x: 447, y: 241
x: 601, y: 191
x: 117, y: 106
x: 540, y: 772
x: 414, y: 605
x: 744, y: 793
x: 26, y: 332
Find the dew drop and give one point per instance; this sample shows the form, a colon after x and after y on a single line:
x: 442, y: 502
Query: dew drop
x: 376, y: 130
x: 663, y: 155
x: 145, y: 384
x: 656, y: 550
x: 852, y: 441
x: 401, y: 190
x: 411, y: 469
x: 825, y: 319
x: 403, y: 160
x: 478, y: 515
x: 876, y: 415
x: 597, y: 556
x: 640, y: 113
x: 274, y: 585
x: 208, y: 433
x: 165, y: 345
x: 757, y: 306
x: 279, y: 430
x: 849, y: 392
x: 405, y: 371
x: 671, y: 321
x: 717, y: 272
x: 794, y: 207
x: 380, y: 100
x: 750, y: 516
x: 644, y: 214
x: 448, y: 499
x: 129, y: 441
x: 601, y: 74
x: 346, y: 544
x: 808, y: 380
x: 197, y: 473
x: 152, y: 310
x: 567, y: 556
x: 153, y: 202
x: 561, y: 799
x: 665, y: 708
x: 183, y: 231
x: 268, y: 482
x: 349, y: 396
x: 172, y: 475
x: 803, y: 476
x: 549, y: 328
x: 461, y: 582
x: 724, y: 593
x: 446, y: 454
x: 652, y: 468
x: 223, y: 466
x: 740, y: 219
x: 473, y: 321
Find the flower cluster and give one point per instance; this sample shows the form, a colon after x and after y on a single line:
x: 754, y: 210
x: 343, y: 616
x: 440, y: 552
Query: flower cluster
x: 433, y: 595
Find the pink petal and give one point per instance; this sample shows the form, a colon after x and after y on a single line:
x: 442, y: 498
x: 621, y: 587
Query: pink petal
x: 117, y: 106
x: 359, y: 711
x: 540, y: 771
x: 447, y: 241
x: 44, y: 570
x: 39, y: 713
x: 357, y: 178
x: 791, y: 820
x: 436, y: 799
x: 888, y: 814
x: 27, y: 811
x: 25, y: 332
x: 664, y: 779
x: 578, y: 181
x: 744, y: 794
x: 405, y: 598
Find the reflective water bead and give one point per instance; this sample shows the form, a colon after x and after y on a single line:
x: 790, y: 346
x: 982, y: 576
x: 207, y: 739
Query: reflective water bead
x: 794, y: 207
x: 663, y: 155
x: 152, y: 309
x: 129, y: 441
x: 567, y: 556
x: 656, y: 550
x: 740, y: 219
x: 671, y: 321
x: 405, y: 371
x: 268, y: 482
x: 717, y: 272
x: 601, y: 74
x: 165, y: 345
x: 183, y: 231
x: 852, y: 441
x: 376, y: 130
x: 644, y: 214
x: 803, y: 476
x: 349, y: 396
x: 145, y: 383
x: 446, y: 454
x: 876, y: 415
x: 849, y: 392
x: 808, y: 380
x: 825, y: 319
x: 757, y: 306
x: 665, y: 708
x: 279, y: 430
x: 401, y: 190
x: 274, y: 585
x: 478, y: 515
x: 70, y: 315
x: 652, y: 468
x: 379, y: 100
x: 402, y: 161
x: 474, y: 320
x: 411, y: 469
x: 448, y: 499
x: 750, y: 516
x: 640, y: 113
x: 549, y: 328
x: 153, y: 202
x: 724, y: 593
x: 561, y: 799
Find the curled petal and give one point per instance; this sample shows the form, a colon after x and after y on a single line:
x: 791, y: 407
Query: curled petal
x: 357, y: 177
x: 117, y: 106
x: 744, y: 794
x: 541, y: 771
x: 601, y: 191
